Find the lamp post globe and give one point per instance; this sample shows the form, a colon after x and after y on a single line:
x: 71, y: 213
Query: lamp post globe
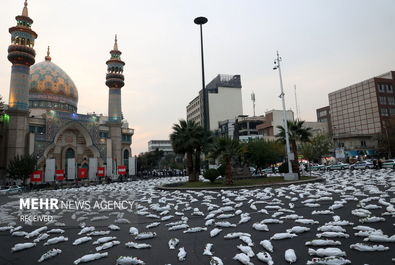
x: 200, y: 20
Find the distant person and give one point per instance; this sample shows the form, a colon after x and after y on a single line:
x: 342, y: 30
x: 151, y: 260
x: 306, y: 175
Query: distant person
x: 375, y: 164
x: 380, y: 163
x: 301, y: 169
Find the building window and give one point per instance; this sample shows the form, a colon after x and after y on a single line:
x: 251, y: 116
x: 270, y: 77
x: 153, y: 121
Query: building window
x: 363, y: 143
x: 103, y: 134
x: 390, y: 89
x: 391, y: 100
x: 380, y: 87
x: 126, y: 138
x: 37, y: 129
x: 392, y: 112
x: 384, y: 112
x: 322, y: 113
x: 382, y: 100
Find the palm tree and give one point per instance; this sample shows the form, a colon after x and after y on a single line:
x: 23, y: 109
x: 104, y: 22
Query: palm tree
x: 204, y: 141
x: 296, y: 133
x: 226, y: 149
x: 184, y: 139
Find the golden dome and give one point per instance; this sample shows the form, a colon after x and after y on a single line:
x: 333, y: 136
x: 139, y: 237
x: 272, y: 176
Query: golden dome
x: 51, y: 87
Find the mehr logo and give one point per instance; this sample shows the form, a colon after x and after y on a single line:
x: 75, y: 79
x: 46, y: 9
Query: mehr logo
x: 38, y: 203
x: 53, y: 203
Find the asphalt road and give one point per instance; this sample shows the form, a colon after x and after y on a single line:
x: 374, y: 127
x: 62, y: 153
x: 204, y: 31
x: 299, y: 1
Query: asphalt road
x: 194, y: 243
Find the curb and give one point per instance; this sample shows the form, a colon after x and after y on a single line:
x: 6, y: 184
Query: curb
x: 316, y: 179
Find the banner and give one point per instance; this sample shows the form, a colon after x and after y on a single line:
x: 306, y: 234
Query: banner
x: 121, y: 170
x: 71, y: 168
x: 49, y: 170
x: 109, y: 167
x: 339, y: 153
x: 132, y: 166
x: 82, y: 173
x: 37, y: 176
x: 59, y: 174
x: 92, y: 168
x: 101, y: 172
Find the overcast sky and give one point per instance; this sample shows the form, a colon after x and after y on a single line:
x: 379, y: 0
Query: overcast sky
x: 325, y: 46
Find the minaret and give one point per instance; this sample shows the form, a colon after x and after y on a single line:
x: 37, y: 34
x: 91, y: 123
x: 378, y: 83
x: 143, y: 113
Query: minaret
x: 21, y: 54
x: 115, y: 81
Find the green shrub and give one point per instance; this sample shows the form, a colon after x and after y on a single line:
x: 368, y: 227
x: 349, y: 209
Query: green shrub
x: 221, y: 170
x: 283, y: 168
x: 211, y: 174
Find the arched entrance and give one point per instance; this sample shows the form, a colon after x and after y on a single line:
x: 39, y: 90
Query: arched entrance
x: 126, y: 157
x: 70, y: 153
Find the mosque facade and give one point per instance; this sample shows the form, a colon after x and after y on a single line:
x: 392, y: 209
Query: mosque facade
x: 42, y: 118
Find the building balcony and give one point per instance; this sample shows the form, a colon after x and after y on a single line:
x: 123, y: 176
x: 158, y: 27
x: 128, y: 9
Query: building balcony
x: 127, y: 131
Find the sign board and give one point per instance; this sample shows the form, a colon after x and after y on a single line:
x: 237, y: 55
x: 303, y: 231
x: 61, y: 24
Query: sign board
x: 121, y: 170
x: 339, y: 152
x: 37, y: 176
x: 132, y: 166
x: 59, y: 174
x: 92, y: 168
x: 101, y: 172
x: 71, y: 168
x: 50, y: 170
x: 82, y: 173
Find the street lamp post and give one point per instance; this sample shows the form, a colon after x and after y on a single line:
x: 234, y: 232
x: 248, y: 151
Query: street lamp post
x: 200, y: 21
x: 282, y: 96
x: 388, y: 141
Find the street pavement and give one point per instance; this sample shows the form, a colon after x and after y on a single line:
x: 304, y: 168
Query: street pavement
x: 347, y: 190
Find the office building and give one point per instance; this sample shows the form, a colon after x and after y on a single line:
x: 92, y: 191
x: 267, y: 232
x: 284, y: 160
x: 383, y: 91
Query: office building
x: 224, y: 101
x: 358, y: 113
x: 160, y: 145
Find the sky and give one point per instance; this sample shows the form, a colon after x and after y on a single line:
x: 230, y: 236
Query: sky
x: 324, y: 45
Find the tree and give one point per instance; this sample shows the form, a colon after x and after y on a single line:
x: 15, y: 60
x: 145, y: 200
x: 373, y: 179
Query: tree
x: 186, y: 136
x: 263, y: 153
x: 296, y: 133
x: 2, y: 106
x: 149, y: 160
x: 21, y: 167
x: 226, y: 149
x: 318, y: 146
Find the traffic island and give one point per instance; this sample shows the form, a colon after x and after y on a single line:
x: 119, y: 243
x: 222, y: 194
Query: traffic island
x: 239, y: 183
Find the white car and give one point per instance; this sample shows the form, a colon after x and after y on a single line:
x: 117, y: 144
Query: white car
x: 390, y: 163
x: 362, y: 165
x: 11, y: 190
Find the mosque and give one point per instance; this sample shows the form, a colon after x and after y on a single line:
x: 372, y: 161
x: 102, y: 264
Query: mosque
x: 42, y: 118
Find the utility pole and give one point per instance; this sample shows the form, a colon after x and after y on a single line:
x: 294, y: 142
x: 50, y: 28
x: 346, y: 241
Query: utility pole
x: 277, y: 66
x: 253, y: 101
x: 297, y: 106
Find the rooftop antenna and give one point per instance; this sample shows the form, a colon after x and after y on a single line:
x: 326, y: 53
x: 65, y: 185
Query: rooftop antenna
x: 253, y: 101
x: 297, y: 107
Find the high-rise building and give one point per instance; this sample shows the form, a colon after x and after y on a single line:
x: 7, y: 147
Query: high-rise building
x: 358, y: 113
x: 224, y: 101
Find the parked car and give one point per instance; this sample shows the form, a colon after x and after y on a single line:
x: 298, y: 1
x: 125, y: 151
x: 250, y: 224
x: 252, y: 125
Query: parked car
x: 316, y: 167
x: 340, y: 166
x: 269, y: 170
x: 390, y: 163
x: 362, y: 165
x: 11, y: 190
